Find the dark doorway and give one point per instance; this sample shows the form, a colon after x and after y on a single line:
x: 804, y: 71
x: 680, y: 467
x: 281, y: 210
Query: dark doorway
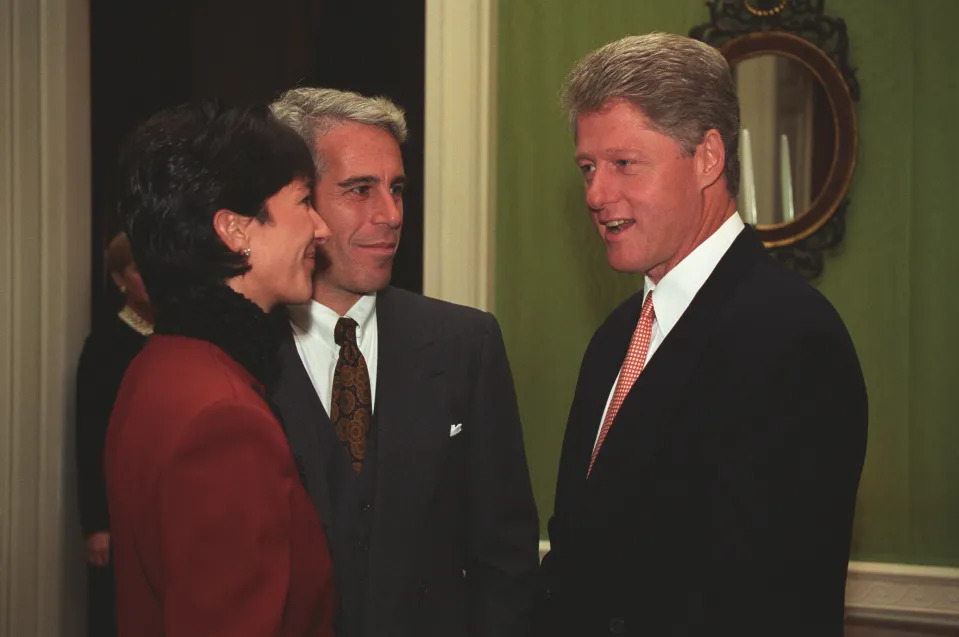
x: 146, y: 56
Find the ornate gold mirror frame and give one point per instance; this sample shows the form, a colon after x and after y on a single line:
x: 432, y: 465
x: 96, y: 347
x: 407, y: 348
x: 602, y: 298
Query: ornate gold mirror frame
x: 799, y: 30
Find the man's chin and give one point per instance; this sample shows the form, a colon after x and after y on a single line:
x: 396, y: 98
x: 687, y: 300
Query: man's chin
x: 624, y: 266
x: 366, y: 281
x: 379, y: 287
x: 372, y: 285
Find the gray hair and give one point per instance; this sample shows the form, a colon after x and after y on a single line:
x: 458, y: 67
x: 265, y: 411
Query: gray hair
x: 683, y: 86
x: 312, y: 112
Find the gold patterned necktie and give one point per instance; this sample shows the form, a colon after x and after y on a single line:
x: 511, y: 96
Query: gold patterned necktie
x: 351, y: 408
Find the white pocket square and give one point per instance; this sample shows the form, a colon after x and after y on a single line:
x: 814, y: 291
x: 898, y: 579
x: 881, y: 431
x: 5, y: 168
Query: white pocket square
x: 456, y: 429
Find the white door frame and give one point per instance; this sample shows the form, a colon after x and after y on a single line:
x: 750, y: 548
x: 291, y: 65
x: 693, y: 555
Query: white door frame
x: 459, y: 151
x: 44, y: 308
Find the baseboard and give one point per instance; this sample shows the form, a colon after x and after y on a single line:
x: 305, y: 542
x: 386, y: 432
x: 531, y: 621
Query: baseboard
x: 903, y: 595
x: 900, y: 595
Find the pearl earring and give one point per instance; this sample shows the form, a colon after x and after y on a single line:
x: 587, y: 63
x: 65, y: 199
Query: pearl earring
x: 246, y: 252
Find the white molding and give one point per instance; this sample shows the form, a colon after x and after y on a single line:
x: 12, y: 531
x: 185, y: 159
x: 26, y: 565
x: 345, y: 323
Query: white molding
x: 44, y: 297
x: 6, y: 303
x: 894, y: 595
x: 457, y: 217
x: 903, y: 594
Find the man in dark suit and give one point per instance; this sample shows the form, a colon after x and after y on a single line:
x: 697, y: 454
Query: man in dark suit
x: 717, y: 433
x: 400, y: 408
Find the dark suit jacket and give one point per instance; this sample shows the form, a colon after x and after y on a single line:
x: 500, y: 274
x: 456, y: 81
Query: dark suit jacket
x: 213, y: 533
x: 453, y: 542
x: 722, y: 499
x: 107, y: 352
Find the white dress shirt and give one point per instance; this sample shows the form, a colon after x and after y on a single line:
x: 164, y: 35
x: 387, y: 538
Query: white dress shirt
x: 313, y: 325
x: 675, y: 291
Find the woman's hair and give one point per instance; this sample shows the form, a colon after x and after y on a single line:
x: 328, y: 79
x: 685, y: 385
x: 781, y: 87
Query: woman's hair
x: 183, y: 165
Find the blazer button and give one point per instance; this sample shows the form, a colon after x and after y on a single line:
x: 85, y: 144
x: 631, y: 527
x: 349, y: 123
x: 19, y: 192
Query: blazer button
x: 365, y: 505
x: 617, y: 626
x: 363, y: 544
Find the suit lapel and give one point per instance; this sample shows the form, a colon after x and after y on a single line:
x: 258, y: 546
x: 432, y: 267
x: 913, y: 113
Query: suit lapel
x: 405, y: 478
x: 395, y: 374
x: 404, y: 355
x: 305, y: 421
x: 662, y: 385
x: 600, y: 368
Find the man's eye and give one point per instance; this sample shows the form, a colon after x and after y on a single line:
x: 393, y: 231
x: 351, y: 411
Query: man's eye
x: 307, y: 200
x: 360, y: 190
x: 586, y: 169
x: 397, y: 191
x: 623, y: 163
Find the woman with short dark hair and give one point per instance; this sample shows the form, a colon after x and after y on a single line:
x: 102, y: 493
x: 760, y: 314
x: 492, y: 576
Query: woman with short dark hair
x: 213, y: 531
x: 116, y: 337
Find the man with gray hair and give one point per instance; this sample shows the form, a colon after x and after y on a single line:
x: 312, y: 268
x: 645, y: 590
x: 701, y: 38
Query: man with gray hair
x: 716, y: 436
x: 400, y: 409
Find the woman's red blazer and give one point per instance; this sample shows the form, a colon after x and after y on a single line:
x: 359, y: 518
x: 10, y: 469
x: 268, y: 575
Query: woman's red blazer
x: 213, y: 532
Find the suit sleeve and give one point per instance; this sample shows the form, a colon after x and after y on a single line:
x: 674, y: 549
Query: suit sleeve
x: 503, y: 525
x: 96, y: 392
x: 225, y: 518
x: 785, y: 502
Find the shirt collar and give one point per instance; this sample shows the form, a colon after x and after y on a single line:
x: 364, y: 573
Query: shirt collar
x: 317, y: 320
x: 675, y: 291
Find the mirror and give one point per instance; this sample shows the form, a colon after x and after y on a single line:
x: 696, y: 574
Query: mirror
x: 798, y: 137
x: 786, y: 140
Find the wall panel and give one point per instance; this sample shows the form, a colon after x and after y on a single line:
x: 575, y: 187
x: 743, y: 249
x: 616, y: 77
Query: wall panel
x: 891, y: 280
x: 44, y: 291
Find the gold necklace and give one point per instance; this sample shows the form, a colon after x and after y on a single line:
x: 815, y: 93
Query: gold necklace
x: 139, y: 324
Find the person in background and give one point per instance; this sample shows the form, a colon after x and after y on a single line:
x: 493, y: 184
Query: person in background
x: 717, y: 432
x: 401, y: 407
x: 115, y: 339
x: 213, y: 533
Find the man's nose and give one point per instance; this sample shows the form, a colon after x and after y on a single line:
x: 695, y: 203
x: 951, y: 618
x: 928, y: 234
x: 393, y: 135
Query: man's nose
x: 388, y: 209
x: 321, y: 231
x: 599, y: 191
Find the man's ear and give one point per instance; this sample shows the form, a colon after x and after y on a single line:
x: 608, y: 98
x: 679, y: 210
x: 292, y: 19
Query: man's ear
x: 710, y: 158
x: 231, y: 228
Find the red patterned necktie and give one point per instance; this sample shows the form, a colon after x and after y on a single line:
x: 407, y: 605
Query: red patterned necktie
x: 632, y: 367
x: 351, y: 407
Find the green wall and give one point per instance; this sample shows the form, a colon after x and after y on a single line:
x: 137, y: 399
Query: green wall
x: 892, y: 280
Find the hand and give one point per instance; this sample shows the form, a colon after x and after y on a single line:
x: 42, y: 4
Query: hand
x: 96, y: 546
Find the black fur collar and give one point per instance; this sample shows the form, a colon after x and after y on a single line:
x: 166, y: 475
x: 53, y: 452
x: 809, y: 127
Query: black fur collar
x: 230, y: 321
